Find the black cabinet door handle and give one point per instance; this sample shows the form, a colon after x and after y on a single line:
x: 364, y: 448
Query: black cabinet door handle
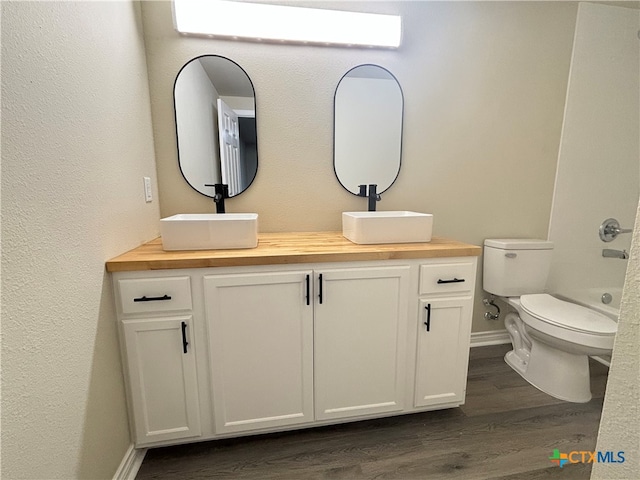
x: 428, y: 322
x: 320, y: 288
x: 152, y: 299
x: 455, y: 280
x: 184, y: 337
x: 308, y: 289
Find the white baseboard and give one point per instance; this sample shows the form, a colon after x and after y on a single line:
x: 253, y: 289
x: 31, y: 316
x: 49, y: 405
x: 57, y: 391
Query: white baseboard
x: 492, y: 337
x: 130, y: 464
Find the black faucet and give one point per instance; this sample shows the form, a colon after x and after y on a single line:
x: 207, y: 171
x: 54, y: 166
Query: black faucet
x: 222, y: 192
x: 373, y: 196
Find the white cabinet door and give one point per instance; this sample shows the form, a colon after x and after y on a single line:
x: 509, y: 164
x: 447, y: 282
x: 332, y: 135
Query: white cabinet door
x: 162, y: 377
x: 261, y: 349
x: 360, y: 336
x: 443, y: 350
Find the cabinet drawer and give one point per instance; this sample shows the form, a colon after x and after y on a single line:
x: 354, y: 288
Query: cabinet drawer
x: 446, y: 277
x: 141, y: 295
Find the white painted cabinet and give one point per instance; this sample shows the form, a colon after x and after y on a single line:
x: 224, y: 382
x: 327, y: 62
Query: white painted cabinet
x: 265, y: 353
x: 443, y: 332
x: 273, y: 347
x: 360, y: 338
x: 261, y: 349
x: 443, y: 351
x: 163, y: 387
x: 159, y: 356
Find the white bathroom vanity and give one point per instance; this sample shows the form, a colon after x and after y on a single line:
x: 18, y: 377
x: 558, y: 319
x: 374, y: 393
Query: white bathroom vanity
x: 306, y: 329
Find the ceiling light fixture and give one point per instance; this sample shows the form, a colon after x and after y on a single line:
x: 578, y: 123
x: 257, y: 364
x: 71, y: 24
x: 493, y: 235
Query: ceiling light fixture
x: 256, y: 21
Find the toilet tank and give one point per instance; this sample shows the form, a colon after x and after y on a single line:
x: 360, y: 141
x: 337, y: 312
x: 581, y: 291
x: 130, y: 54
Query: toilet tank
x: 516, y: 266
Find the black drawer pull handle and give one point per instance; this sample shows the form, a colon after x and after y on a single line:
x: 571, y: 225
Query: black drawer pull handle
x: 184, y: 337
x: 455, y: 280
x: 428, y: 322
x: 152, y: 299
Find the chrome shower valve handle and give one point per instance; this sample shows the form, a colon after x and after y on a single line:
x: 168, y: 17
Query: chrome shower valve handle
x: 610, y: 229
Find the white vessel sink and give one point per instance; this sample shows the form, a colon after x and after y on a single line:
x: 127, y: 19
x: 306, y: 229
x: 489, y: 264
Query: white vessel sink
x: 387, y: 227
x: 209, y: 231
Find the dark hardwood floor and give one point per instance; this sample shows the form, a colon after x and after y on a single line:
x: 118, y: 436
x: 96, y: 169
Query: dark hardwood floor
x: 506, y: 430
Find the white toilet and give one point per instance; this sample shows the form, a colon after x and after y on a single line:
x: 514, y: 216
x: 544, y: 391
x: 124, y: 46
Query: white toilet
x: 552, y: 339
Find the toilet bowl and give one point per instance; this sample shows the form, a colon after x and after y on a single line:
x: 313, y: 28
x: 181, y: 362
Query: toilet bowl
x: 552, y: 339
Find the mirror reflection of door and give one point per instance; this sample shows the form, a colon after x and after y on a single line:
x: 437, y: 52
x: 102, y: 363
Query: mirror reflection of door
x: 229, y: 135
x: 214, y: 104
x: 368, y: 111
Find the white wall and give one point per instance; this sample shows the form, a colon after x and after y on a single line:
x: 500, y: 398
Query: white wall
x: 197, y: 129
x: 484, y: 85
x: 240, y: 103
x: 599, y: 161
x: 76, y: 142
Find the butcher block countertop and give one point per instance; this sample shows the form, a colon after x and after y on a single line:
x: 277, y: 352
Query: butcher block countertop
x: 286, y: 248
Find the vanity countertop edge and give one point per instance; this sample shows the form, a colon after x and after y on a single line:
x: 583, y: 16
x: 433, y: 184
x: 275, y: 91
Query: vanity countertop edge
x: 286, y: 248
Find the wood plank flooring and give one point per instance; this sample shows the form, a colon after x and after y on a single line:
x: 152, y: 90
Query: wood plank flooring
x: 506, y: 430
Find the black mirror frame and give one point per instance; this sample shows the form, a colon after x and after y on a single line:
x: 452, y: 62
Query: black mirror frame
x: 334, y: 125
x: 175, y: 122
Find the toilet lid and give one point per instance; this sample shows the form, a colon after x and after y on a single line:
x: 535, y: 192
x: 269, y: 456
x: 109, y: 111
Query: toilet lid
x: 567, y: 315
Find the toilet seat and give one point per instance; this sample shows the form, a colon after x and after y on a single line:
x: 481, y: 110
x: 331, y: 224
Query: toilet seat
x: 568, y: 315
x: 568, y: 322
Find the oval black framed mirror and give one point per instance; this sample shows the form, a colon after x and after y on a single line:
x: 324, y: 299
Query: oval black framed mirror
x: 368, y: 113
x: 215, y: 114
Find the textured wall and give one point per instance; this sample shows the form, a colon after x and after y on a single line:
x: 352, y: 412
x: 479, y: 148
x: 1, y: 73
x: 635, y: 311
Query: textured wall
x: 76, y: 142
x: 484, y: 86
x: 620, y: 422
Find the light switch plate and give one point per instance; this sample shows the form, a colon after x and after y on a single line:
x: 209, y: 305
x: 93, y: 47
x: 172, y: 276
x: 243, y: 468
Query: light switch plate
x: 148, y: 195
